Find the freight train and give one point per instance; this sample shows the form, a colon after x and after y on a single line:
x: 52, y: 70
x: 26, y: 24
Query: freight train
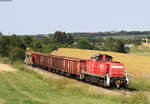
x: 100, y: 69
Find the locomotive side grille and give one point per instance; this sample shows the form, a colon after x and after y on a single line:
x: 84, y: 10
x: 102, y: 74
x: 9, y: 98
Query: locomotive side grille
x: 116, y: 70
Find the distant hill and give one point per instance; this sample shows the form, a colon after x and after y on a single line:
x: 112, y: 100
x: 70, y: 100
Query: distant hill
x: 103, y: 34
x: 120, y: 33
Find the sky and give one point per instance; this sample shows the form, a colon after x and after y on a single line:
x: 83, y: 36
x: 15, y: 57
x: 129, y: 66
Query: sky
x: 47, y: 16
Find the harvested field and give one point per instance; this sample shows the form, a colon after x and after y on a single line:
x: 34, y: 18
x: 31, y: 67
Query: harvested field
x: 7, y: 68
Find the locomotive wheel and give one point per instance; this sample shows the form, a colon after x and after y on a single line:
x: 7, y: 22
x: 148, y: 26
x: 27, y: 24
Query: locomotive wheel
x: 100, y: 82
x: 87, y: 78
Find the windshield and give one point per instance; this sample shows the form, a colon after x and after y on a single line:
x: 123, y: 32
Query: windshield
x: 108, y: 58
x: 99, y: 58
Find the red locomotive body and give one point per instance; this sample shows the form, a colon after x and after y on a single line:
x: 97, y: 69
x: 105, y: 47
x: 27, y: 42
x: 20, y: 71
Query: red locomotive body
x: 100, y: 69
x: 106, y: 72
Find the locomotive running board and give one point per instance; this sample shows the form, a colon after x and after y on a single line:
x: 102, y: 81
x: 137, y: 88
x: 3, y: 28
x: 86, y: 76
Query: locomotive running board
x: 93, y: 75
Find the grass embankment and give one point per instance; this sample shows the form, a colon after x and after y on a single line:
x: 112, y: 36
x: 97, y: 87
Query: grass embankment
x: 141, y: 53
x: 138, y: 67
x: 142, y: 50
x: 26, y: 86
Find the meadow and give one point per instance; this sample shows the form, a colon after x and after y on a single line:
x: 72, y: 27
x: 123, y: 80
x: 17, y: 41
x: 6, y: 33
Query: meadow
x: 125, y: 36
x: 141, y: 53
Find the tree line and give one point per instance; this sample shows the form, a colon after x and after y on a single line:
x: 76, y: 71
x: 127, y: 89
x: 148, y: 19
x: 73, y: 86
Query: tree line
x: 14, y: 46
x: 113, y: 33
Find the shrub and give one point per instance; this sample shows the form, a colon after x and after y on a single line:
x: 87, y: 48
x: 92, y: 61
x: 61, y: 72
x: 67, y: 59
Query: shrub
x: 84, y: 44
x: 16, y: 54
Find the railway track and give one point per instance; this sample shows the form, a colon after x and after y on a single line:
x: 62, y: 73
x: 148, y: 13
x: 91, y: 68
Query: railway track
x: 111, y: 91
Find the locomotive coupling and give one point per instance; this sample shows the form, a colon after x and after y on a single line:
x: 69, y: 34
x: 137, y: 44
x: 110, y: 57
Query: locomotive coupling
x: 118, y: 83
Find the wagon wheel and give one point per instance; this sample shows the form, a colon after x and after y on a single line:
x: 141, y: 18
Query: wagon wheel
x: 100, y: 82
x: 87, y: 79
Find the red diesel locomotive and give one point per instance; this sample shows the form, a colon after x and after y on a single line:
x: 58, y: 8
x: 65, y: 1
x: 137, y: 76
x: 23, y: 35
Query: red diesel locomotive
x: 100, y: 69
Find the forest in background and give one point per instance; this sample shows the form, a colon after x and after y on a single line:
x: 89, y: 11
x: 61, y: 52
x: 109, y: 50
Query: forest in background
x: 14, y: 46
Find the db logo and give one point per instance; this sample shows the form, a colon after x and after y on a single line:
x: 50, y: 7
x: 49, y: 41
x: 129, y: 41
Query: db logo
x: 101, y: 66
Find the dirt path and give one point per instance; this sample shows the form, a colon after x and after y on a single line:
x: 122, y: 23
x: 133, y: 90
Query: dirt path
x: 1, y: 101
x: 5, y: 67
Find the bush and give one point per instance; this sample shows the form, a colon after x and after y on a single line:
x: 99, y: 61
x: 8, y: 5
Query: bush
x: 84, y: 44
x: 12, y: 47
x: 16, y: 54
x: 111, y: 44
x: 119, y: 46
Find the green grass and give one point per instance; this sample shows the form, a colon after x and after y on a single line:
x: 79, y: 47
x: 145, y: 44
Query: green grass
x: 29, y: 87
x: 135, y: 49
x: 141, y: 53
x: 125, y: 36
x: 141, y: 50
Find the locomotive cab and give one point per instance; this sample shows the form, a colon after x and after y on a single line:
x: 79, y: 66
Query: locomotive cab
x: 112, y: 72
x: 102, y: 57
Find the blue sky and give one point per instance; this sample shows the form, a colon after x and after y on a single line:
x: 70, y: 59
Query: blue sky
x: 48, y: 16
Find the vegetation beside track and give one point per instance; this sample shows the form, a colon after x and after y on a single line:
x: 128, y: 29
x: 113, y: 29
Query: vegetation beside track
x: 29, y: 87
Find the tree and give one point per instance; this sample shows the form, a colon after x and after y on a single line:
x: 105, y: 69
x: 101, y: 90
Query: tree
x: 148, y: 37
x: 119, y: 46
x: 4, y: 46
x: 111, y: 44
x: 36, y: 45
x: 27, y: 40
x: 1, y: 34
x: 84, y: 44
x: 15, y: 41
x: 137, y: 42
x: 70, y: 39
x: 16, y: 54
x: 12, y: 47
x: 48, y: 48
x: 108, y: 44
x: 60, y: 37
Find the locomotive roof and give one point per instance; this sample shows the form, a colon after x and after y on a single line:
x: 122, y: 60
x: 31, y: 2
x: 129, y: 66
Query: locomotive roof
x: 103, y: 54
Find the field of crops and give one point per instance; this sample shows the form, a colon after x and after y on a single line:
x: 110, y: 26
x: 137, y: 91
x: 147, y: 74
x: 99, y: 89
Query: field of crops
x: 125, y: 36
x: 141, y: 53
x: 135, y: 64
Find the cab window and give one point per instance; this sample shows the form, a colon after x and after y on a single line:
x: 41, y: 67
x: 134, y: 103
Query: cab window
x: 99, y: 58
x: 108, y: 58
